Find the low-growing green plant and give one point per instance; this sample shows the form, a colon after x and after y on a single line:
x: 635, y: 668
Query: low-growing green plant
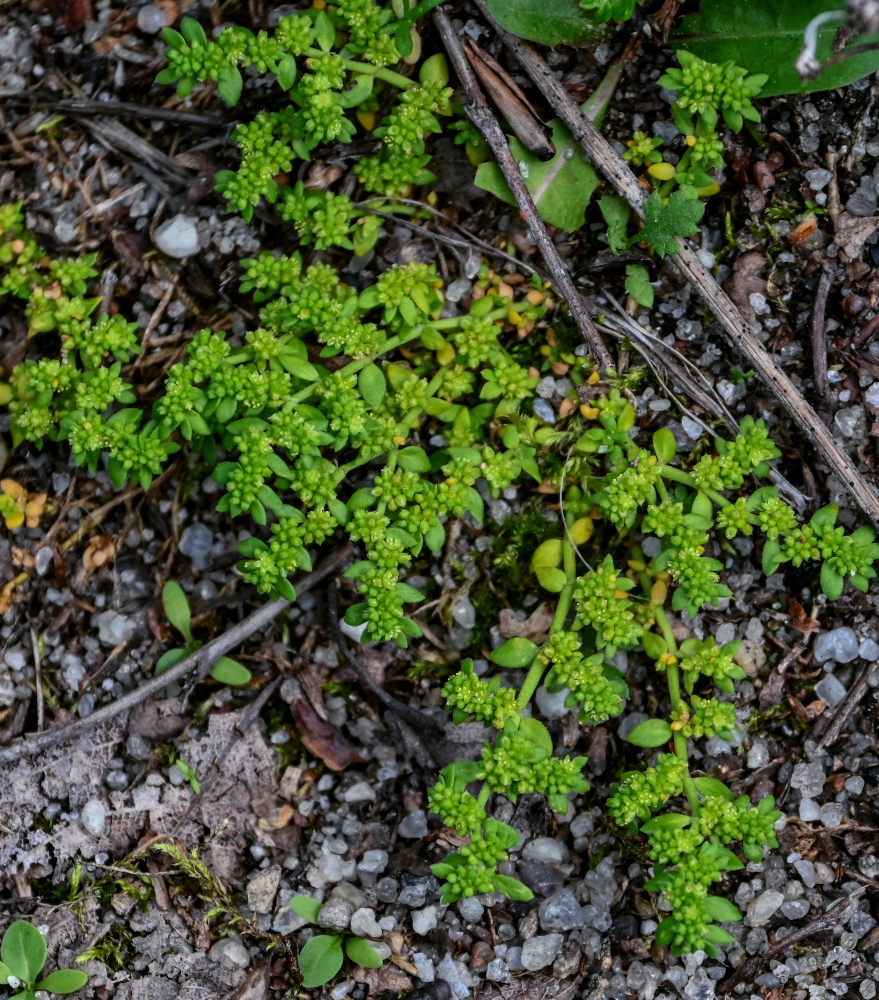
x: 645, y: 502
x: 331, y: 64
x: 378, y: 415
x: 317, y: 449
x: 323, y: 955
x: 225, y: 670
x: 23, y: 953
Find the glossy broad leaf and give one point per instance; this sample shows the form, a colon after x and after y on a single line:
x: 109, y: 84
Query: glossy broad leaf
x: 767, y: 37
x: 545, y: 21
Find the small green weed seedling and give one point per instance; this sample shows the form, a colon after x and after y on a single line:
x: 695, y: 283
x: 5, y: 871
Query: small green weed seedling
x: 23, y: 953
x: 226, y: 670
x: 323, y: 955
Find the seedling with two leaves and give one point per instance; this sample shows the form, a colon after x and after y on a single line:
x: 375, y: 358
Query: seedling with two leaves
x: 23, y: 953
x: 323, y: 955
x: 226, y: 670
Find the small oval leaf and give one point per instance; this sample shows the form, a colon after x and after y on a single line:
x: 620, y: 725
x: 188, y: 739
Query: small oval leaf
x: 652, y: 733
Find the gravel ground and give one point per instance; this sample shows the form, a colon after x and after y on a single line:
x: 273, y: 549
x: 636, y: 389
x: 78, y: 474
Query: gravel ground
x: 273, y: 819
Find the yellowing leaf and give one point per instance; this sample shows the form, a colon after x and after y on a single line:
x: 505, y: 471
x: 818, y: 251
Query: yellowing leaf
x: 581, y: 530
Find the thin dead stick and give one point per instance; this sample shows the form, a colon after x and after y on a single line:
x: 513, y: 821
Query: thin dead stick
x: 201, y: 662
x: 687, y: 263
x: 832, y: 917
x: 843, y: 714
x: 482, y: 117
x: 819, y: 334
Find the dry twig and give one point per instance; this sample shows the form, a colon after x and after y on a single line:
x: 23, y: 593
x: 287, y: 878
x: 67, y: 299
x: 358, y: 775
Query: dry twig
x: 482, y: 117
x: 201, y: 662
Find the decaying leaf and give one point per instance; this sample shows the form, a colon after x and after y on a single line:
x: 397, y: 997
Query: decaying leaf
x: 534, y: 626
x: 99, y: 551
x: 322, y: 738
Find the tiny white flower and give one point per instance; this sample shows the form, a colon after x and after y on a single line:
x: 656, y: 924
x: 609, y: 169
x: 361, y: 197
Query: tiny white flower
x: 14, y: 982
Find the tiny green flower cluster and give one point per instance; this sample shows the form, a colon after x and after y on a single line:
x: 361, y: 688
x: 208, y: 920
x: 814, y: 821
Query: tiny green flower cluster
x: 468, y: 695
x: 642, y: 793
x: 725, y: 88
x: 596, y: 694
x: 603, y: 604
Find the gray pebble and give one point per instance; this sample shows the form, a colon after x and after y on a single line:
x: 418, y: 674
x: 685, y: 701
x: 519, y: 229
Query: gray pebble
x: 231, y: 949
x: 262, y: 888
x: 196, y: 542
x: 471, y: 909
x: 561, y: 912
x: 809, y: 779
x: 113, y: 628
x: 178, y: 237
x: 360, y: 791
x: 43, y: 560
x: 93, y: 817
x: 862, y: 203
x: 151, y: 19
x: 364, y: 924
x: 818, y: 178
x: 413, y: 825
x: 335, y: 915
x: 546, y: 849
x: 840, y: 645
x: 544, y: 411
x: 424, y: 921
x: 830, y: 690
x: 540, y: 951
x: 832, y: 815
x: 761, y: 909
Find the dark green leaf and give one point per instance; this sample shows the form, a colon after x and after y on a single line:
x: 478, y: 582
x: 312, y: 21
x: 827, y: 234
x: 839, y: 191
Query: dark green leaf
x: 664, y: 445
x: 193, y: 32
x: 721, y: 909
x: 638, y: 285
x: 512, y: 888
x: 616, y: 214
x: 230, y: 84
x: 307, y: 907
x: 413, y: 459
x: 362, y: 953
x: 712, y: 786
x: 228, y: 671
x: 766, y: 37
x: 832, y: 582
x: 546, y: 21
x: 169, y: 659
x: 652, y: 733
x: 325, y: 36
x: 663, y: 224
x: 372, y: 385
x: 320, y: 960
x: 286, y: 72
x: 654, y: 645
x: 561, y: 187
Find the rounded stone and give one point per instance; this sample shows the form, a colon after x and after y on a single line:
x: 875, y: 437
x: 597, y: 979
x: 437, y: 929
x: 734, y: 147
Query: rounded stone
x: 178, y: 237
x: 93, y: 817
